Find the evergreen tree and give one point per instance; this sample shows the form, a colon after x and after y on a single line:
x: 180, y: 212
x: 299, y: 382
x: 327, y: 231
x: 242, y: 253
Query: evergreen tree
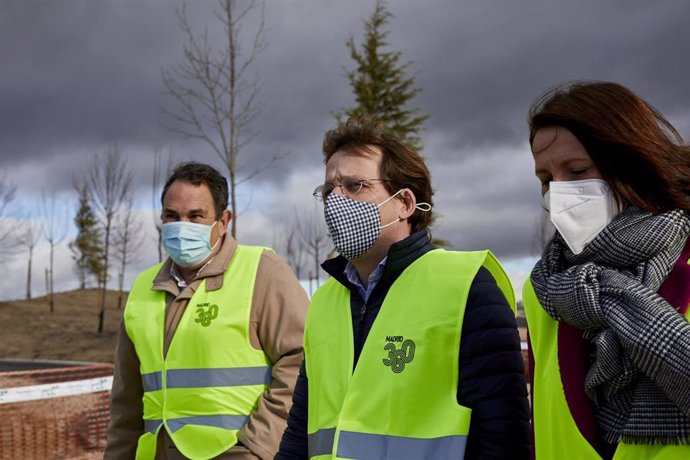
x: 86, y: 248
x: 382, y: 87
x: 380, y: 82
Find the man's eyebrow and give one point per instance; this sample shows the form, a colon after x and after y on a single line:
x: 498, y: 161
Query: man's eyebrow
x: 344, y: 178
x: 196, y: 211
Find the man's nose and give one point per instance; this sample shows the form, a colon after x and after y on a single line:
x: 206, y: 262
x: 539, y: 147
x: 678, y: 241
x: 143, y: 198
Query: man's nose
x: 338, y: 189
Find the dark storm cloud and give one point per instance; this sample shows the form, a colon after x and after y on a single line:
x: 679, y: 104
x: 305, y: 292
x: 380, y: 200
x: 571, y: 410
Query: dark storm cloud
x: 488, y: 200
x: 480, y: 64
x: 90, y: 70
x: 485, y: 62
x: 79, y: 71
x: 79, y: 76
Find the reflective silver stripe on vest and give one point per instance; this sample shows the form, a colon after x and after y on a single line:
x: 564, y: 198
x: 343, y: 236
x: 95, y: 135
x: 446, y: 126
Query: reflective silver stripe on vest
x: 150, y: 426
x: 203, y: 378
x: 321, y: 442
x: 375, y: 446
x: 229, y: 422
x: 152, y: 381
x: 224, y: 377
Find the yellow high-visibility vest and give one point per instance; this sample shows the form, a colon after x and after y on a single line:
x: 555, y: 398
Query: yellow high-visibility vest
x: 401, y: 400
x: 556, y: 434
x: 209, y: 383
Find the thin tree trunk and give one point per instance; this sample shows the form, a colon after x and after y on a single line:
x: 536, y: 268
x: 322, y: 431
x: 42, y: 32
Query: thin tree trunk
x: 160, y: 245
x: 232, y: 50
x: 28, y: 274
x: 101, y: 316
x: 52, y: 300
x: 233, y: 202
x: 121, y: 277
x: 47, y: 284
x: 82, y: 274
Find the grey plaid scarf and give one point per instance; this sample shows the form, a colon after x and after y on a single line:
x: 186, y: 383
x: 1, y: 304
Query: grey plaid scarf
x: 639, y: 374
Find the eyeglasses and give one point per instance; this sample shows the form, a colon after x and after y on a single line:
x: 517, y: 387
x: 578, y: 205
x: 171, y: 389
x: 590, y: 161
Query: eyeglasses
x: 348, y: 187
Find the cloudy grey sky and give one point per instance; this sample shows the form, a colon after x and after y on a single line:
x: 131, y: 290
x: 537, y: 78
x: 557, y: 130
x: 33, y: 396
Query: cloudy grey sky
x: 78, y: 76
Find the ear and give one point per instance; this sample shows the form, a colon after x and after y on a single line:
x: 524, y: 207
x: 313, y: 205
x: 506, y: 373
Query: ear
x: 408, y: 204
x: 224, y: 221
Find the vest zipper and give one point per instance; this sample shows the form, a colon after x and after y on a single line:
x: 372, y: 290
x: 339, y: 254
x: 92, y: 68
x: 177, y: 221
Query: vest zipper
x: 360, y: 326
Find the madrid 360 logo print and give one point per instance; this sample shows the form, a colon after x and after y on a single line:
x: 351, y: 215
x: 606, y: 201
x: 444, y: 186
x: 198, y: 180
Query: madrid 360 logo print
x: 398, y: 357
x: 206, y: 313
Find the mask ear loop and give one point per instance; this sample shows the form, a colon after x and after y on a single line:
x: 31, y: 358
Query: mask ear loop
x: 389, y: 198
x: 386, y: 201
x: 220, y: 237
x: 423, y: 206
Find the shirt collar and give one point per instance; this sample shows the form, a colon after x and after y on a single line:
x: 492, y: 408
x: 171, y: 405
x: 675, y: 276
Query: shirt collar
x: 179, y: 279
x: 400, y: 255
x: 352, y: 276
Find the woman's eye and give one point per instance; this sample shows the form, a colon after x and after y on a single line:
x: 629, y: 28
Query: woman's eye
x: 579, y: 172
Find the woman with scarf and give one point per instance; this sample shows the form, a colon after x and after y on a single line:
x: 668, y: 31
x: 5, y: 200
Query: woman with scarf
x: 607, y: 303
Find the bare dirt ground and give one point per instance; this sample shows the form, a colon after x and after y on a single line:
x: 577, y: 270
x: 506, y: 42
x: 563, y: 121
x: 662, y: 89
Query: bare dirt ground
x: 29, y: 330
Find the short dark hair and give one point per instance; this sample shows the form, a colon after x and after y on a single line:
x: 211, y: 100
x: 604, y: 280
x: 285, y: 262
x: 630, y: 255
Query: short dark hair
x: 638, y: 152
x: 400, y: 163
x: 199, y: 173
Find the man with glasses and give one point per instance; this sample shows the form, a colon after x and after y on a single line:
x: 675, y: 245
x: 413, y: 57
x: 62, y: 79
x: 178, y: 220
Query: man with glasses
x: 411, y: 352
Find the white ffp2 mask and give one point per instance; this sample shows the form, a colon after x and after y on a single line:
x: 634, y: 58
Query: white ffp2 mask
x: 580, y: 210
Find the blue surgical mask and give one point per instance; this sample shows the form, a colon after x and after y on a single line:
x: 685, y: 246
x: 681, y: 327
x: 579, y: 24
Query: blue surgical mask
x: 187, y: 243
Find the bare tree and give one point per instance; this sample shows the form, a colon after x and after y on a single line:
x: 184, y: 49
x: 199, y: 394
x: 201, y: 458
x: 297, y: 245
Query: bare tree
x: 215, y: 92
x: 54, y: 232
x: 29, y: 239
x: 9, y: 231
x: 110, y: 180
x: 128, y: 241
x: 313, y: 234
x: 160, y: 175
x: 289, y: 242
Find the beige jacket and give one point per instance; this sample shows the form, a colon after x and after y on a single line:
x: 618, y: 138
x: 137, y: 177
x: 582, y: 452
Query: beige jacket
x: 278, y: 311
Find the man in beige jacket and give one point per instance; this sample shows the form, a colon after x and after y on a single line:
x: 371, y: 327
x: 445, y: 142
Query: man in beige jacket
x: 195, y: 220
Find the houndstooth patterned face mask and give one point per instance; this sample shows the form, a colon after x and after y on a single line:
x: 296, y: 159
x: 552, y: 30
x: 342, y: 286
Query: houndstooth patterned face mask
x: 354, y: 225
